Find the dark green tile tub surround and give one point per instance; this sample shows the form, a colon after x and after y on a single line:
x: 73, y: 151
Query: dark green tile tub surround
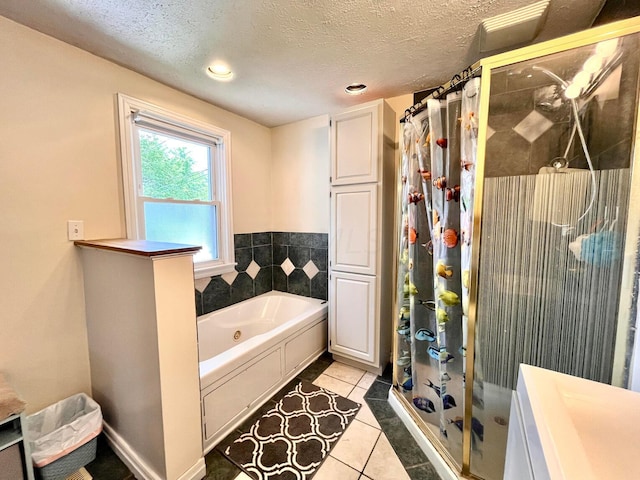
x: 301, y: 248
x: 270, y: 250
x: 217, y: 295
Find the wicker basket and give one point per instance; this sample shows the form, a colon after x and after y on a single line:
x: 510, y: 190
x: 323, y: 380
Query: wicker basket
x: 65, y: 466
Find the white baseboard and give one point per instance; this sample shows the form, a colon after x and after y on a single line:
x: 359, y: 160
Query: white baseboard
x: 140, y: 469
x: 129, y: 457
x: 441, y: 466
x: 197, y: 472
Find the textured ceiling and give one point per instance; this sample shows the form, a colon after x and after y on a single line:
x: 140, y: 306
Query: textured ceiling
x: 292, y: 58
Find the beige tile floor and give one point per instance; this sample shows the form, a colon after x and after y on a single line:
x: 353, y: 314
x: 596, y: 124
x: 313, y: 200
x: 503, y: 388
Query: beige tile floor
x: 363, y: 452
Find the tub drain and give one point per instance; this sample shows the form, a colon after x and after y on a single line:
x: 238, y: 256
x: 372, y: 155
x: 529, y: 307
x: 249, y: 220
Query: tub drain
x: 236, y: 336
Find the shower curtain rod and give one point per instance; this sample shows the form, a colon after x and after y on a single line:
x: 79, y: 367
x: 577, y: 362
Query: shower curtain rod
x: 457, y: 81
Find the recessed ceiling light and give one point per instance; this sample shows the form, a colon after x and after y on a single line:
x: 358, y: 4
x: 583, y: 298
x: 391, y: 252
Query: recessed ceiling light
x: 219, y: 72
x: 356, y: 89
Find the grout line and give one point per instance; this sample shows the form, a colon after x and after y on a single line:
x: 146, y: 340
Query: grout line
x: 371, y: 453
x: 346, y: 464
x: 350, y: 383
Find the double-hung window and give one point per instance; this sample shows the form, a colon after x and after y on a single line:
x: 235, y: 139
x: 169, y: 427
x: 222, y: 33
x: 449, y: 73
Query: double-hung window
x: 177, y: 182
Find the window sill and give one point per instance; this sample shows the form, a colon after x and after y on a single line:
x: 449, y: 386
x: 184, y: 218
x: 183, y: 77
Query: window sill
x: 204, y: 271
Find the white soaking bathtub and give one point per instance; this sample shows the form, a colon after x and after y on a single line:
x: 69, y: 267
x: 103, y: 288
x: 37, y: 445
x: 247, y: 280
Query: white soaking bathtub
x: 250, y: 350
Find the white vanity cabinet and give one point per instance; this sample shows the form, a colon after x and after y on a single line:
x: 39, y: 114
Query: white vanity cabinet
x: 563, y: 427
x: 361, y: 234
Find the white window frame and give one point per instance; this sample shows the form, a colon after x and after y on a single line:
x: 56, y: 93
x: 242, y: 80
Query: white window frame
x: 128, y: 109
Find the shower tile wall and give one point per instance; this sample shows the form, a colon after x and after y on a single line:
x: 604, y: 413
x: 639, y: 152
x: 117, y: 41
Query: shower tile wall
x: 286, y: 261
x: 521, y: 133
x: 531, y: 121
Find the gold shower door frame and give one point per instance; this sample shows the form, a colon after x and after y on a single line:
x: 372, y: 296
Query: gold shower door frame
x: 580, y: 39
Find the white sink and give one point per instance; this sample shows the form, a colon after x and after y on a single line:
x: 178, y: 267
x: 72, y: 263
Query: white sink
x: 577, y: 428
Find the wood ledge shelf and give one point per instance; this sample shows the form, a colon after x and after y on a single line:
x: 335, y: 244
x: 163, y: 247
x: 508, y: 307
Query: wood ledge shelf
x: 144, y: 248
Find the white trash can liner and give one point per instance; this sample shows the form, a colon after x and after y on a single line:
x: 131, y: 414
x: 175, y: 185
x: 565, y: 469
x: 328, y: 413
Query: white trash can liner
x: 62, y: 427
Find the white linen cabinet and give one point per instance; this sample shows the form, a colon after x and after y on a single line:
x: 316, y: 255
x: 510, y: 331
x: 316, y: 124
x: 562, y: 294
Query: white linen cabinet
x: 361, y: 235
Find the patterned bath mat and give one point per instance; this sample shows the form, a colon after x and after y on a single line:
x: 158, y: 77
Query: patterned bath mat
x: 291, y: 440
x: 81, y: 474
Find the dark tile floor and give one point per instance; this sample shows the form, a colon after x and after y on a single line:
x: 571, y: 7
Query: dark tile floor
x: 412, y: 457
x: 107, y: 466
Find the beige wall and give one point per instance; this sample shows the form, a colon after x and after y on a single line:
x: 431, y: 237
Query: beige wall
x: 399, y: 104
x: 59, y: 161
x: 300, y: 176
x: 301, y: 169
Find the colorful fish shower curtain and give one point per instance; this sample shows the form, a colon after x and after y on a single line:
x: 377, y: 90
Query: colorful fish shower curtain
x: 437, y: 184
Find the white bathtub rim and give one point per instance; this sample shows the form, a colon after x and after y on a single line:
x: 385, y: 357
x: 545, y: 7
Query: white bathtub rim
x: 308, y: 302
x: 272, y: 293
x: 215, y: 368
x: 312, y: 305
x: 320, y: 311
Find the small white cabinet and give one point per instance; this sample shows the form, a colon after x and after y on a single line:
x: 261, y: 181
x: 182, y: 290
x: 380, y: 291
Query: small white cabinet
x: 355, y: 146
x: 355, y: 210
x: 352, y: 314
x: 237, y: 395
x: 361, y: 234
x: 15, y: 453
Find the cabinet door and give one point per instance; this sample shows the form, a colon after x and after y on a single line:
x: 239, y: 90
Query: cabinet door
x: 234, y: 397
x: 354, y: 146
x: 352, y: 316
x: 354, y: 228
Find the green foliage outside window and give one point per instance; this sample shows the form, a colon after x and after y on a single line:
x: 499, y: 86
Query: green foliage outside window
x: 168, y: 172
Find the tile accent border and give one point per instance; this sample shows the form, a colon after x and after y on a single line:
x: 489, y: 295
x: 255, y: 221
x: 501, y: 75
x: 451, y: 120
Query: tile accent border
x: 286, y: 261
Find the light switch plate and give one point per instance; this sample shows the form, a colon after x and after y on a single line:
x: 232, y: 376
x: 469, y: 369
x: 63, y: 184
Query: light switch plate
x: 75, y: 229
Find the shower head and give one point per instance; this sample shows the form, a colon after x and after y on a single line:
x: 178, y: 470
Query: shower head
x: 549, y: 98
x: 561, y: 162
x: 593, y: 73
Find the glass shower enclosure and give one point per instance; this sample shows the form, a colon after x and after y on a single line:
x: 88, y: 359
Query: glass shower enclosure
x: 518, y: 230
